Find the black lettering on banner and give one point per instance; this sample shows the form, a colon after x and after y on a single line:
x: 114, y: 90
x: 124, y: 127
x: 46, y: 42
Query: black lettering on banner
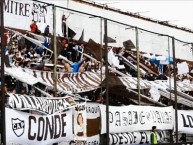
x: 171, y: 118
x: 44, y: 104
x: 142, y: 118
x: 167, y: 117
x: 143, y: 138
x: 163, y: 117
x: 63, y: 124
x: 34, y: 102
x: 27, y: 6
x: 125, y: 138
x: 159, y: 133
x: 59, y: 105
x: 153, y: 116
x: 30, y: 136
x: 26, y: 102
x: 135, y: 115
x: 53, y: 102
x: 29, y: 102
x: 56, y: 105
x: 92, y: 109
x: 37, y: 103
x: 125, y: 119
x: 39, y: 12
x: 50, y: 107
x: 47, y: 106
x: 184, y: 121
x: 11, y: 6
x: 120, y: 138
x: 18, y: 8
x: 134, y: 138
x: 57, y: 123
x: 117, y: 119
x: 115, y: 138
x: 53, y: 125
x: 41, y: 124
x: 95, y: 142
x: 50, y: 127
x: 21, y: 6
x: 190, y: 119
x: 148, y: 116
x: 130, y: 117
x: 17, y: 102
x: 130, y: 137
x: 7, y: 6
x: 80, y: 107
x: 158, y: 117
x: 110, y: 117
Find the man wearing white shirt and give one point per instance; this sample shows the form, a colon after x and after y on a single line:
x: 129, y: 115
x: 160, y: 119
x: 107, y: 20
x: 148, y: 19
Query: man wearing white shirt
x: 113, y: 59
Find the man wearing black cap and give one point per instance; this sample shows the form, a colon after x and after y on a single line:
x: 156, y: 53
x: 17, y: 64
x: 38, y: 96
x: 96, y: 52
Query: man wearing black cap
x: 153, y: 136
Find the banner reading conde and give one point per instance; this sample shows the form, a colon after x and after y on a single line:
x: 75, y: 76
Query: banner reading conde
x: 185, y: 121
x: 31, y: 129
x: 136, y: 118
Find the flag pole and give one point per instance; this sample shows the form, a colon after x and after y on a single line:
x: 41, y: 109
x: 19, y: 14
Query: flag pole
x: 101, y: 50
x: 55, y: 51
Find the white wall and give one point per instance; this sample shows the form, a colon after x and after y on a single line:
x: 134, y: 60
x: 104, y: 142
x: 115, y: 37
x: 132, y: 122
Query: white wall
x: 147, y: 42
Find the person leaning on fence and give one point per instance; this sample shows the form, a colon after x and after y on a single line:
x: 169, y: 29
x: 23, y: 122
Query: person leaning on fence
x: 153, y: 136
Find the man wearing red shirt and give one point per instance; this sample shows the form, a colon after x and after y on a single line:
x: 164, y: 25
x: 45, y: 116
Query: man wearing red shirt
x: 34, y: 27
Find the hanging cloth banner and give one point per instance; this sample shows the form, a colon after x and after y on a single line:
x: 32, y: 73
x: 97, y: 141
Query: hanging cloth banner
x: 27, y: 11
x: 68, y: 82
x: 32, y: 129
x: 19, y: 74
x: 185, y: 121
x: 40, y: 104
x: 137, y: 138
x: 93, y: 123
x: 80, y: 122
x: 136, y: 118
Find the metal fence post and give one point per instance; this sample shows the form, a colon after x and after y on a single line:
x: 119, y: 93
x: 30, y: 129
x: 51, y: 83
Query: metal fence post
x: 138, y: 61
x: 107, y: 86
x: 175, y: 88
x: 3, y: 124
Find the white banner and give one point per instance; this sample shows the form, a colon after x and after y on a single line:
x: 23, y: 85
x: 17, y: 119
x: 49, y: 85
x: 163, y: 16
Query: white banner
x: 31, y: 129
x: 182, y: 68
x: 19, y: 74
x: 136, y: 118
x: 185, y: 121
x: 92, y: 110
x: 40, y: 104
x: 137, y: 138
x: 80, y: 122
x: 26, y: 11
x: 94, y: 140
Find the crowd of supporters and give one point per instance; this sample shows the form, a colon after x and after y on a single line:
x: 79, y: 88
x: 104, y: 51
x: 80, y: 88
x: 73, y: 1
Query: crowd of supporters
x: 23, y: 52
